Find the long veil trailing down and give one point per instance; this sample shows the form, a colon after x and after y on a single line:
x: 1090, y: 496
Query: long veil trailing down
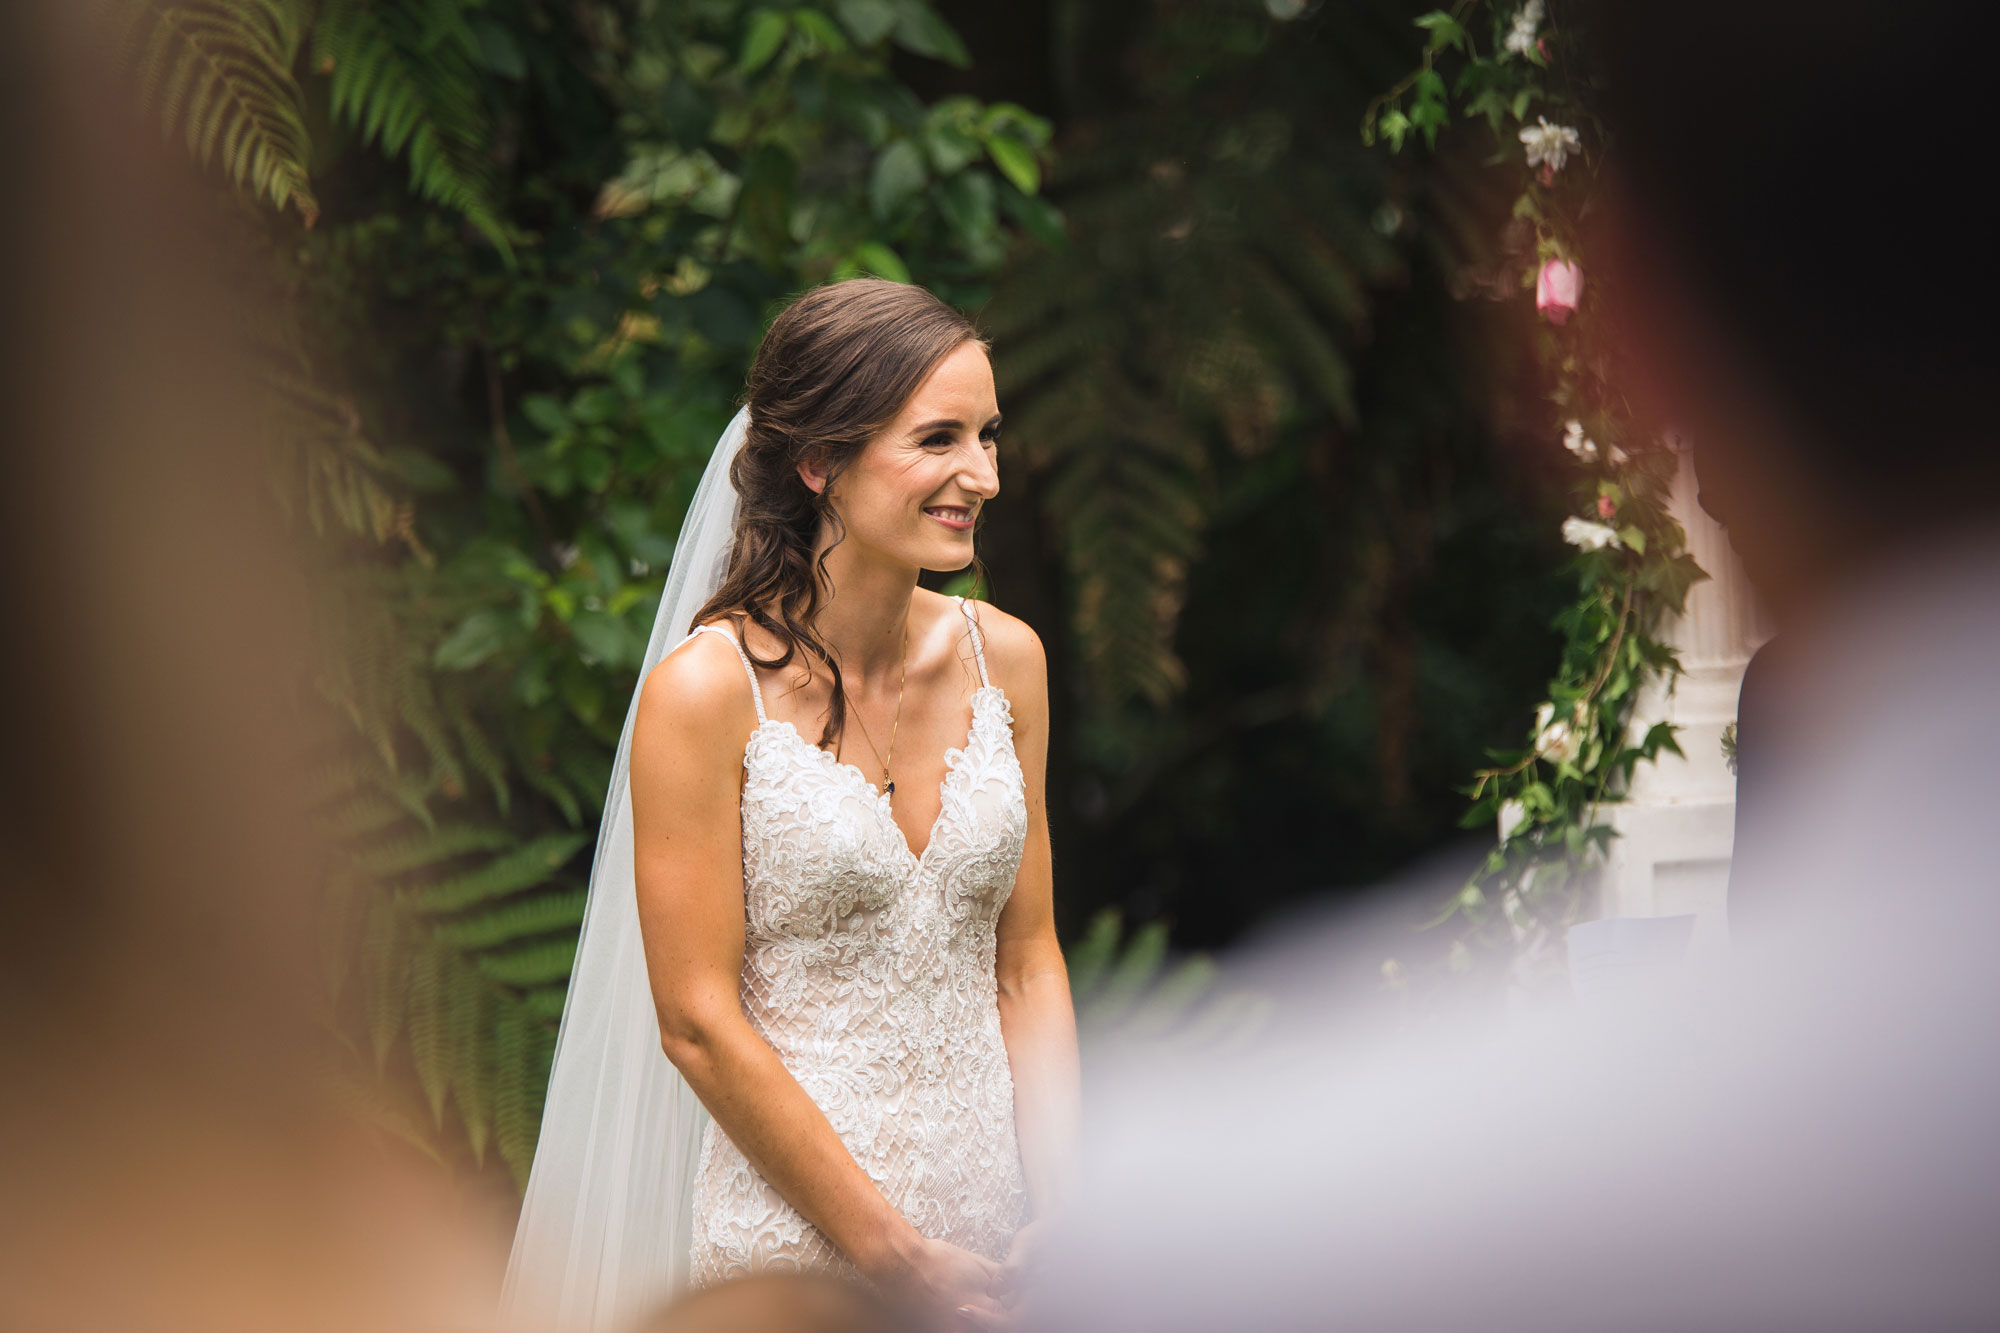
x: 606, y: 1225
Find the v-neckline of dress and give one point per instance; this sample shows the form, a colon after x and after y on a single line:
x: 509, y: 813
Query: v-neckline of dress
x: 952, y: 758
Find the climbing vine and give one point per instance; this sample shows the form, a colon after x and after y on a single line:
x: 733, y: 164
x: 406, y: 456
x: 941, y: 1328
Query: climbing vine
x: 1507, y: 71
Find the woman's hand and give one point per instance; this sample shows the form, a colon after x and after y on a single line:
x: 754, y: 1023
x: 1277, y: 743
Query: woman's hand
x: 938, y: 1275
x: 1012, y: 1277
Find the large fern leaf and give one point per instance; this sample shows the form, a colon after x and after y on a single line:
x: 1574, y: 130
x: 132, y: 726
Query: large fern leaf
x: 1206, y: 300
x: 522, y: 868
x: 219, y: 72
x: 403, y: 77
x: 471, y: 995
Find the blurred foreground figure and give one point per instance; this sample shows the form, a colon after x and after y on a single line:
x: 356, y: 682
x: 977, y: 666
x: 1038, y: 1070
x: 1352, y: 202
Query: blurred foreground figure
x: 1813, y: 289
x: 169, y: 1158
x: 783, y: 1303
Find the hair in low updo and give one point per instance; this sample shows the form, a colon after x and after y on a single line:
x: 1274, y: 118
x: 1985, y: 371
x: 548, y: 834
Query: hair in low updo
x: 835, y: 368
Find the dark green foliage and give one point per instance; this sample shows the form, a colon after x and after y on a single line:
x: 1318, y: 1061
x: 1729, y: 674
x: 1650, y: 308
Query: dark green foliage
x: 1302, y: 587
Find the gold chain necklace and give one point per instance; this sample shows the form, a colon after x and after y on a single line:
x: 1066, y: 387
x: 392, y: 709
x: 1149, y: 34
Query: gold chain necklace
x: 888, y: 784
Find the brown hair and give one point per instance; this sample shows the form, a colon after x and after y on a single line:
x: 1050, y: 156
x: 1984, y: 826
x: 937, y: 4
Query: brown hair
x: 835, y: 368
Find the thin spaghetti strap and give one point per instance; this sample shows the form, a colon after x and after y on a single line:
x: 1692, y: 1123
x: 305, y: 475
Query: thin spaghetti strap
x: 756, y: 692
x: 978, y: 644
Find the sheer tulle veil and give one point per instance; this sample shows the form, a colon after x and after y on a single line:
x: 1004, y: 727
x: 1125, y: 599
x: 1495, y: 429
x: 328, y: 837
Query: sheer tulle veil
x: 607, y: 1222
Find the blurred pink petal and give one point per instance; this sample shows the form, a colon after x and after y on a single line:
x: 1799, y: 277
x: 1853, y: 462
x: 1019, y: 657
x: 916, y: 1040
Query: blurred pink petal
x: 1558, y: 288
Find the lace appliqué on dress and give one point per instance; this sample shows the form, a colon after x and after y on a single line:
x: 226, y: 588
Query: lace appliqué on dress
x: 869, y: 969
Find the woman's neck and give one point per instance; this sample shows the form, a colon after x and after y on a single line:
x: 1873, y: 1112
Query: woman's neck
x: 866, y: 615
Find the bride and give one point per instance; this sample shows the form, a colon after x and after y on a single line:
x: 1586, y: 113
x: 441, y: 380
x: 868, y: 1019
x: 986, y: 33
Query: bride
x: 821, y: 909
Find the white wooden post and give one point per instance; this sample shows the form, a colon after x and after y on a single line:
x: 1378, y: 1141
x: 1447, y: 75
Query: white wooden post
x: 1678, y: 823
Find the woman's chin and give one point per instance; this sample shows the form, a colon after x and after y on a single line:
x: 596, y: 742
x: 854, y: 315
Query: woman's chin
x: 948, y: 560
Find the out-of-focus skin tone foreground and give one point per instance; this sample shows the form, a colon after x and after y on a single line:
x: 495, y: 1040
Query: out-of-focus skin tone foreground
x: 171, y: 1152
x: 170, y: 1159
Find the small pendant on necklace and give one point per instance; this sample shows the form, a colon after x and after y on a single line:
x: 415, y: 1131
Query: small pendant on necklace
x: 890, y: 789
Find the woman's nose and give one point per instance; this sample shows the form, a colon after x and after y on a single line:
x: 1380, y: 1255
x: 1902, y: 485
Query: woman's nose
x: 981, y: 475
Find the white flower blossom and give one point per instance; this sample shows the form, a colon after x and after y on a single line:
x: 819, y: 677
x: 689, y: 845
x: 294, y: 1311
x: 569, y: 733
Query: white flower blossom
x: 1619, y: 458
x: 1557, y: 739
x: 1521, y: 37
x: 1578, y: 443
x: 1551, y: 144
x: 1588, y: 535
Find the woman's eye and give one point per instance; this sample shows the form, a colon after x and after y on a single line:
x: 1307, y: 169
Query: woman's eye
x: 991, y: 435
x: 938, y: 442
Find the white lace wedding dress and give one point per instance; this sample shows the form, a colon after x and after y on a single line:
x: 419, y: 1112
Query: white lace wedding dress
x: 869, y: 969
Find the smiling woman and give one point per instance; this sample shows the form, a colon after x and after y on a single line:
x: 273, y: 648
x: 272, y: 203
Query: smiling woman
x: 841, y: 366
x: 860, y: 982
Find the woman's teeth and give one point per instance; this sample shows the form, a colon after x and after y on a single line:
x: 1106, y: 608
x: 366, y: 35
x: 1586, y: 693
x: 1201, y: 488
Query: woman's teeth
x: 952, y: 516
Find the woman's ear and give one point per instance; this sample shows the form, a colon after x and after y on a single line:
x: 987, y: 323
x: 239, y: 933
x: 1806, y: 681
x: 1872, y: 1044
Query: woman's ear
x: 813, y: 474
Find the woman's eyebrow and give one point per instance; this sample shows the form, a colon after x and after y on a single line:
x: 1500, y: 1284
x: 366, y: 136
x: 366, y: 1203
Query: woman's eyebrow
x: 949, y: 423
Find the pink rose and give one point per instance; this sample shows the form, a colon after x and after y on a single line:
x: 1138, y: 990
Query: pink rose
x: 1558, y: 287
x: 1605, y: 508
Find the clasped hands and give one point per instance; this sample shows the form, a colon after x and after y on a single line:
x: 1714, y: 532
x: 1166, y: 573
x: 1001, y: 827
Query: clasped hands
x: 977, y: 1293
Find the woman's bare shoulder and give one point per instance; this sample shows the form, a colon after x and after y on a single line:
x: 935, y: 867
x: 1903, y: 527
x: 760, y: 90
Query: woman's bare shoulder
x: 701, y: 684
x: 1014, y: 655
x: 1009, y: 639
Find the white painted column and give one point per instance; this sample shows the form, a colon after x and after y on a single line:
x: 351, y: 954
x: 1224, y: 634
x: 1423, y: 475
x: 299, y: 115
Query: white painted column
x: 1677, y: 826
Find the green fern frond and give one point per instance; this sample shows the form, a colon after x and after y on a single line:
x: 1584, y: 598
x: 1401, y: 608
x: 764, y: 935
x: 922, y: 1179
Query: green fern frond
x: 412, y: 791
x: 363, y: 1099
x: 220, y: 73
x: 343, y: 918
x: 1132, y: 986
x: 1207, y: 298
x: 429, y: 847
x: 521, y: 1053
x: 363, y: 814
x: 524, y: 868
x: 427, y: 1028
x: 417, y: 707
x: 470, y: 1008
x: 480, y: 752
x: 541, y: 914
x: 529, y: 964
x: 385, y: 960
x: 1137, y: 968
x: 403, y: 77
x: 546, y: 1002
x: 557, y: 792
x: 1091, y: 955
x: 587, y: 771
x: 510, y: 1057
x: 339, y: 779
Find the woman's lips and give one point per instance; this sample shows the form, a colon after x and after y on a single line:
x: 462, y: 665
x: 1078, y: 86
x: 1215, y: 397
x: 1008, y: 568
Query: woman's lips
x: 955, y: 517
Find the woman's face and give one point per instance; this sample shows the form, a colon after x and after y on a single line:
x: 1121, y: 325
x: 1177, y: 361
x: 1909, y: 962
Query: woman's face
x: 913, y: 493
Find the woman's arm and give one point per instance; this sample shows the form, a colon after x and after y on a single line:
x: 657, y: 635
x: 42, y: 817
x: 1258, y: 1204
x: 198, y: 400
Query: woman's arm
x: 1036, y: 1017
x: 687, y: 764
